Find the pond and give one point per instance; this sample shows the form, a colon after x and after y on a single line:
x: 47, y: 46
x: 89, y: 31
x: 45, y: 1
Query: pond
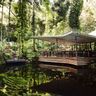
x: 30, y: 80
x: 19, y: 81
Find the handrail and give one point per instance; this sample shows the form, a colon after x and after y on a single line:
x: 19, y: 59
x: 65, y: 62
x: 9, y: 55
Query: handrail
x: 68, y: 53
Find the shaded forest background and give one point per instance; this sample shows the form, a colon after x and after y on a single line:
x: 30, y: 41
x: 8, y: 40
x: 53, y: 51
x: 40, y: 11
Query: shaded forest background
x: 49, y: 17
x: 20, y: 20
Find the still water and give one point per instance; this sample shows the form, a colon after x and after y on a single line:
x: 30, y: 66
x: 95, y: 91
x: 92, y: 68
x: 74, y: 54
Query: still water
x: 19, y: 81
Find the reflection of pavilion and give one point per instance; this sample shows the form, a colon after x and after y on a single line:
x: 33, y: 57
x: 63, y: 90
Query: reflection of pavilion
x: 79, y: 49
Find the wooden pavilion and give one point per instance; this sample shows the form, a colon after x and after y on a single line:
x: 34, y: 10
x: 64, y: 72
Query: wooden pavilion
x: 78, y: 49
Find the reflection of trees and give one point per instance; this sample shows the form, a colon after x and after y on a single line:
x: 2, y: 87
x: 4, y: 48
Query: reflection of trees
x: 50, y: 75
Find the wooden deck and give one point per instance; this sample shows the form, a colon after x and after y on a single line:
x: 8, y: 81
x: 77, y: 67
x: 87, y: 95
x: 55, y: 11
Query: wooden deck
x: 78, y: 50
x: 78, y: 61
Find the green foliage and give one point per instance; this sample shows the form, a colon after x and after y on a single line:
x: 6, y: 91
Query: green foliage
x: 44, y: 19
x: 21, y: 11
x: 22, y: 23
x: 3, y: 94
x: 12, y: 85
x: 87, y: 24
x: 2, y: 1
x: 61, y: 7
x: 46, y: 4
x: 75, y: 11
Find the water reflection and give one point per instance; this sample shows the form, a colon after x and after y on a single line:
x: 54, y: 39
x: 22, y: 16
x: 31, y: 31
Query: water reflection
x: 27, y: 80
x: 19, y: 81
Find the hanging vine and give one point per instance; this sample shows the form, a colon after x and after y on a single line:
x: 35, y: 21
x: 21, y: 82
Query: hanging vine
x: 33, y: 25
x: 22, y: 24
x: 2, y: 26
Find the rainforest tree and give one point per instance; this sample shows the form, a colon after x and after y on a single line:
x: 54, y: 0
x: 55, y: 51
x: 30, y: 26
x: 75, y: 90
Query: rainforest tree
x: 75, y: 11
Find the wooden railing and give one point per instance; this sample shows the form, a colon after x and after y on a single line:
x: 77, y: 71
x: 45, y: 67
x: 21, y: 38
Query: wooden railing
x: 68, y: 53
